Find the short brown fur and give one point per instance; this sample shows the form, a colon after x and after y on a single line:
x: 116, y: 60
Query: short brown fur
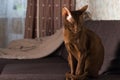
x: 83, y: 45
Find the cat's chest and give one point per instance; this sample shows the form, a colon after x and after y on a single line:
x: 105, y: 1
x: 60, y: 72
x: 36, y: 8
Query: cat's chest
x: 67, y: 36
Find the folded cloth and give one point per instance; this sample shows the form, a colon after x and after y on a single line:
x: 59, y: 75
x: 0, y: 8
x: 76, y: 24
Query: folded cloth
x: 23, y: 44
x: 32, y: 48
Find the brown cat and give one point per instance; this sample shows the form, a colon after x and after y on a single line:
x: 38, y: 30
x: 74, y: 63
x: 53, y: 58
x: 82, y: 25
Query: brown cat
x: 83, y: 45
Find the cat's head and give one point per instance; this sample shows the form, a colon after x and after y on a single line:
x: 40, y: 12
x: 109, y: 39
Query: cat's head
x: 73, y: 20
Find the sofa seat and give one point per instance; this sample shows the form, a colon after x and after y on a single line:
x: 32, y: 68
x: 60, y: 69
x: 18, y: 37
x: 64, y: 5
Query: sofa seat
x: 50, y: 68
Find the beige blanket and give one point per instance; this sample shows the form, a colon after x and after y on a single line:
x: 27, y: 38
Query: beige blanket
x: 32, y: 48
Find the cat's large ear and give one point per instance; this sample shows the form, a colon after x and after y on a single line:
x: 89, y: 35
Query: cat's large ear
x: 86, y: 15
x: 83, y: 9
x: 67, y: 14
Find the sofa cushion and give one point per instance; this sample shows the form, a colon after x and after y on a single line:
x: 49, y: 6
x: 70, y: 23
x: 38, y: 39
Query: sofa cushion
x: 109, y: 31
x: 36, y: 68
x: 49, y: 68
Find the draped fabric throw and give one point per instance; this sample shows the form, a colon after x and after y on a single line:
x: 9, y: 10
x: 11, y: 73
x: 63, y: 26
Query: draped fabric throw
x: 43, y: 17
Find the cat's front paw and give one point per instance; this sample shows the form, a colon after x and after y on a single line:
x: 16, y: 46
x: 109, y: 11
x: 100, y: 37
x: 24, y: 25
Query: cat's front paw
x: 71, y: 76
x: 68, y: 74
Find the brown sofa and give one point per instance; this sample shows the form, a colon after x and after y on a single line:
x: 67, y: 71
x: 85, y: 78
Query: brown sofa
x: 53, y: 67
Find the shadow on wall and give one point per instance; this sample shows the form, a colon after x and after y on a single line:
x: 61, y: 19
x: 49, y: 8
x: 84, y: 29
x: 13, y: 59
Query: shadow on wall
x: 115, y: 64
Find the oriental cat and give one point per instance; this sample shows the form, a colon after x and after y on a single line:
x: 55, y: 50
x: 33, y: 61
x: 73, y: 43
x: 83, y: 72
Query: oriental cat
x: 83, y: 45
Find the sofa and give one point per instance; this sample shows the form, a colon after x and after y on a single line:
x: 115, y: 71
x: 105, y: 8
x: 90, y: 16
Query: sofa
x: 54, y: 66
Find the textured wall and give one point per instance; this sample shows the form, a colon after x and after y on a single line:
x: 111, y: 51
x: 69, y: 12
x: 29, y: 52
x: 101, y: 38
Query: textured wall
x: 102, y: 9
x: 80, y: 3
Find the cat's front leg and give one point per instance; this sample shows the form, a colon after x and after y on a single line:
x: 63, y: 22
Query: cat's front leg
x: 71, y: 64
x: 81, y: 64
x: 70, y: 59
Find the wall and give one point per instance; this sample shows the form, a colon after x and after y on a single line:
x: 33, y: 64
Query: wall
x: 80, y: 3
x: 102, y: 9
